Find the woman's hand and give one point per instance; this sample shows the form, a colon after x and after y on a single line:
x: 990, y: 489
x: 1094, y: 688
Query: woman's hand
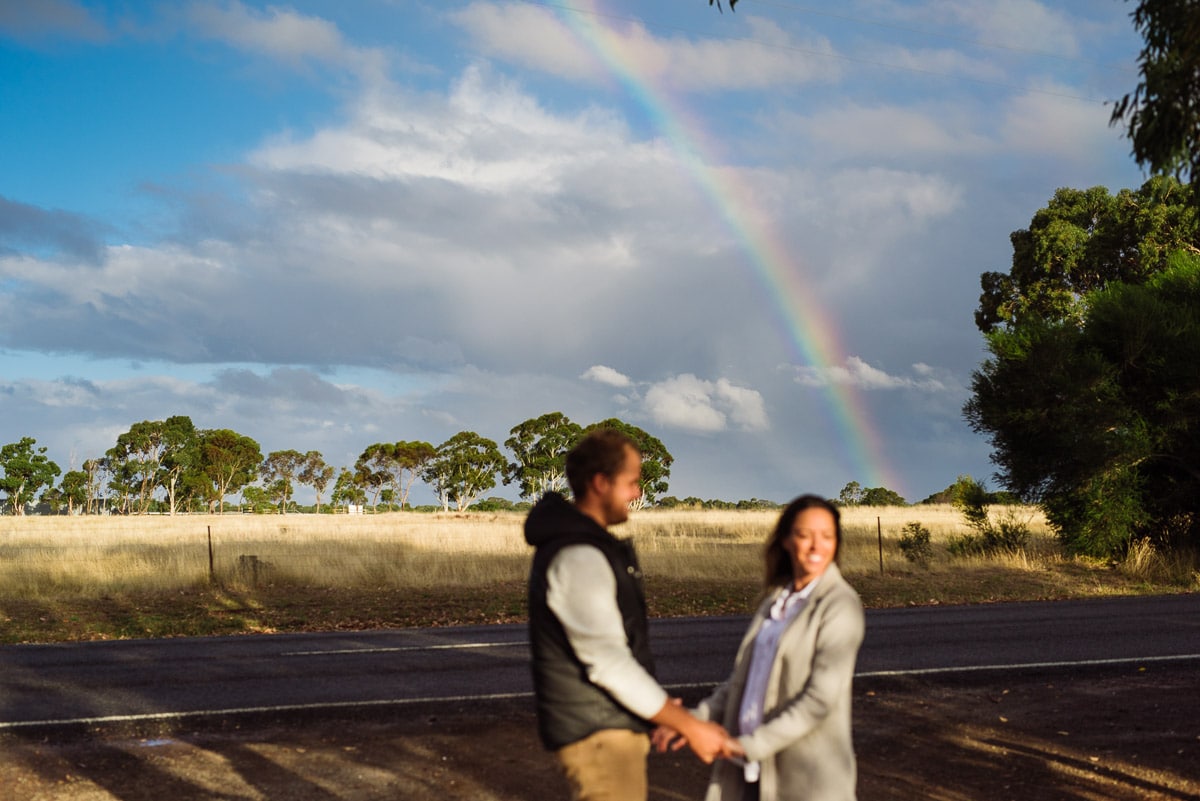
x: 732, y: 749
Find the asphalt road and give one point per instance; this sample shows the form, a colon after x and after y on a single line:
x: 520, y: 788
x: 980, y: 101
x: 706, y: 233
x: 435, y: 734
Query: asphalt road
x: 78, y: 683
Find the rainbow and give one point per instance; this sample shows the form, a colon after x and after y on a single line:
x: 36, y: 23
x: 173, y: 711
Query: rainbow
x: 810, y: 332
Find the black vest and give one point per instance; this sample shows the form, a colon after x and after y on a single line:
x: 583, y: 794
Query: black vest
x: 569, y: 706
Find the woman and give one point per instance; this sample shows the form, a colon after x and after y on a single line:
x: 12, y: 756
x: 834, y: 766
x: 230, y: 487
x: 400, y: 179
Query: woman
x: 787, y: 703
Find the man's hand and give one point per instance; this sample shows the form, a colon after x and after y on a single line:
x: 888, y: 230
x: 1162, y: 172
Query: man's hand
x: 704, y: 737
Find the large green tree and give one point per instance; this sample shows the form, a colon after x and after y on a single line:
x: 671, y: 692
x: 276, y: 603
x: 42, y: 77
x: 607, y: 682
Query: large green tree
x: 373, y: 469
x: 153, y: 454
x: 27, y: 470
x: 656, y: 459
x: 410, y: 460
x: 347, y: 490
x: 316, y: 474
x: 73, y: 491
x: 539, y: 447
x: 464, y: 467
x: 228, y: 461
x: 1099, y: 420
x: 1162, y: 114
x: 1083, y: 240
x: 279, y: 473
x: 180, y: 454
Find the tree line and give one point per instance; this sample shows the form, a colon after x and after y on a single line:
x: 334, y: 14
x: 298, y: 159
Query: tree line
x: 170, y: 465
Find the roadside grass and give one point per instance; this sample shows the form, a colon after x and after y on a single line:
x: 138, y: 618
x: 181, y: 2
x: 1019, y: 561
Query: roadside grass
x: 85, y: 578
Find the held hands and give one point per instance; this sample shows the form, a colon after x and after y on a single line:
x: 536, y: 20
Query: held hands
x: 676, y: 726
x: 709, y: 741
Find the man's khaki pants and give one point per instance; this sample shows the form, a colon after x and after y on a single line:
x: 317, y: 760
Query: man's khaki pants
x: 609, y: 765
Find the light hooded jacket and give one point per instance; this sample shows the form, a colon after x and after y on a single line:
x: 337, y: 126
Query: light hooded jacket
x: 804, y: 744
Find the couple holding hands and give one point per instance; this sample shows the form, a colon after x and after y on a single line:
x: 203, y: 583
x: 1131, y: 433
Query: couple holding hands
x: 778, y: 729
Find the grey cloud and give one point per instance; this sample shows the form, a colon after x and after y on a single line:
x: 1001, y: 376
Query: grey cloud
x: 292, y: 384
x: 26, y: 228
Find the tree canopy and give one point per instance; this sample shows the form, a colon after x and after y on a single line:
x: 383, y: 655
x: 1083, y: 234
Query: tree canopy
x: 27, y: 470
x: 540, y: 447
x: 656, y: 459
x: 1099, y: 421
x: 855, y: 494
x: 1162, y: 114
x: 464, y: 467
x: 1083, y: 240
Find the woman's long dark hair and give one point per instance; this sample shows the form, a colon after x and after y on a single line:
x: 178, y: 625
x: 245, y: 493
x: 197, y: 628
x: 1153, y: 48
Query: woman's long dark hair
x: 778, y: 563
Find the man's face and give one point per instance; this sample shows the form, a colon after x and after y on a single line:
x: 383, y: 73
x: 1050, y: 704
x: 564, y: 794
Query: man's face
x: 615, y: 493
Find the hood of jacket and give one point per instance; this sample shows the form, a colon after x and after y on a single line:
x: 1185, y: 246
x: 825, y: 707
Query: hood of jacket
x: 554, y: 516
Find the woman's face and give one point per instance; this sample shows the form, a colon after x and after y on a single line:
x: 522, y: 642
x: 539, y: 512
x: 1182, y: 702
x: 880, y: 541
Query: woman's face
x: 812, y: 544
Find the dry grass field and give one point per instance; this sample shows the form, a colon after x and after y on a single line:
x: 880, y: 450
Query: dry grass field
x: 98, y: 577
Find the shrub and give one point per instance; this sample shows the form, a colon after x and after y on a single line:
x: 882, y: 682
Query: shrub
x: 915, y: 544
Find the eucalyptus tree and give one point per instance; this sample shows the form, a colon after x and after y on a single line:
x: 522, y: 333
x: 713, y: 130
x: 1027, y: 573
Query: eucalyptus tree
x: 153, y: 454
x: 73, y: 490
x: 1161, y: 116
x: 539, y: 447
x: 373, y: 469
x: 316, y: 474
x: 180, y: 455
x: 27, y: 470
x: 279, y: 471
x: 347, y: 490
x: 227, y: 462
x: 656, y: 459
x: 96, y: 471
x: 463, y: 468
x: 410, y: 460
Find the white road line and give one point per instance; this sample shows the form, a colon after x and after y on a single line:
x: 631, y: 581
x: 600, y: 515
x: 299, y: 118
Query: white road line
x: 1027, y: 666
x: 202, y: 713
x: 400, y: 649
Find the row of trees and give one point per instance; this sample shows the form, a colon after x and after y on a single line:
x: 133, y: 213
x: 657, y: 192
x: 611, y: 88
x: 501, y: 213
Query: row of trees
x: 172, y: 465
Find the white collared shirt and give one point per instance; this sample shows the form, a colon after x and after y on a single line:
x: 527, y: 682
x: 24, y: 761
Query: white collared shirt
x: 766, y: 643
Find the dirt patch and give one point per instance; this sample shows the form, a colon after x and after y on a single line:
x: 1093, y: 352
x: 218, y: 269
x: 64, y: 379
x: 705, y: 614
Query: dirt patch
x: 1122, y: 733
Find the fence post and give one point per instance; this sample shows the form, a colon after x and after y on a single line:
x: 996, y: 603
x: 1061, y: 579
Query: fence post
x: 879, y: 529
x: 212, y: 575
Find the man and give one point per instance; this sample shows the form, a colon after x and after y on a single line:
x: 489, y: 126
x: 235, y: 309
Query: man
x: 592, y: 669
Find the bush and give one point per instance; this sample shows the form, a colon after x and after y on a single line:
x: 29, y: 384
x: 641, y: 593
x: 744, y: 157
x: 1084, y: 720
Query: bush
x: 915, y: 544
x: 1007, y: 535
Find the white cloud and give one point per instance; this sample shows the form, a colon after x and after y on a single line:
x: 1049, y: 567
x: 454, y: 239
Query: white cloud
x: 1023, y: 25
x: 606, y: 375
x: 766, y: 57
x: 689, y: 403
x: 745, y: 406
x: 489, y: 135
x: 895, y: 132
x: 937, y: 61
x: 283, y: 35
x: 857, y: 373
x: 1054, y: 123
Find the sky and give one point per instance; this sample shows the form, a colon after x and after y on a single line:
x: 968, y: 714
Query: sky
x: 757, y: 235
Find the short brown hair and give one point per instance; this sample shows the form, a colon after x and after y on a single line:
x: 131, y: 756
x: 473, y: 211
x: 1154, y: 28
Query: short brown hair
x: 778, y: 563
x: 601, y: 452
